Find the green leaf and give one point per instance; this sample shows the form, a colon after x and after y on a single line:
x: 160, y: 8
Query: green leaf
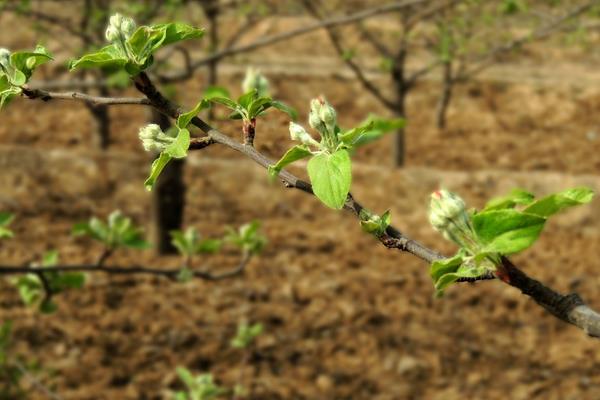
x: 445, y: 266
x: 331, y: 176
x: 146, y: 40
x: 209, y: 246
x: 5, y: 233
x: 215, y: 91
x: 184, y: 119
x: 27, y: 61
x: 179, y: 148
x: 107, y: 57
x: 371, y: 129
x: 258, y: 106
x: 6, y: 218
x: 50, y: 258
x: 157, y: 166
x: 296, y: 153
x: 176, y: 32
x: 446, y: 271
x: 557, y: 202
x: 247, y: 98
x: 516, y: 197
x: 18, y: 78
x: 186, y: 376
x: 285, y: 108
x: 373, y: 223
x: 507, y: 231
x: 226, y: 101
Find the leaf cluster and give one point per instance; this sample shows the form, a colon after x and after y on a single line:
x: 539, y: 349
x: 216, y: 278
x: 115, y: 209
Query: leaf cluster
x: 506, y: 225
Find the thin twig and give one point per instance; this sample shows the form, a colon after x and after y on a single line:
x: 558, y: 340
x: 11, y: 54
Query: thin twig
x: 96, y: 100
x: 170, y: 273
x: 355, y: 67
x: 269, y: 40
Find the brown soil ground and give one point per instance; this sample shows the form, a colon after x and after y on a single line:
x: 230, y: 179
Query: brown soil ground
x: 344, y: 317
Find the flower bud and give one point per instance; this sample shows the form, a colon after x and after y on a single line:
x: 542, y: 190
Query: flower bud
x: 4, y: 58
x: 298, y: 133
x: 314, y: 119
x: 448, y: 215
x: 328, y: 116
x: 154, y: 139
x: 116, y: 21
x: 128, y: 27
x: 112, y: 34
x: 255, y: 80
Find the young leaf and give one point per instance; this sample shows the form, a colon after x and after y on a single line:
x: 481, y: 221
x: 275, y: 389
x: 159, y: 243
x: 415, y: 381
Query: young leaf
x: 331, y: 176
x: 516, y: 197
x: 179, y: 148
x: 215, y: 91
x: 445, y: 266
x: 27, y: 61
x: 209, y: 246
x: 559, y: 201
x: 184, y: 119
x: 507, y: 231
x: 296, y: 153
x: 107, y: 57
x: 380, y: 128
x: 5, y: 220
x: 157, y: 166
x: 226, y: 101
x: 285, y: 108
x: 247, y: 98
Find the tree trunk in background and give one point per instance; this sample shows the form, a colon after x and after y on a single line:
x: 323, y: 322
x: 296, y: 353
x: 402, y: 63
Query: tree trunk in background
x: 446, y: 96
x: 102, y: 120
x: 211, y: 10
x: 168, y: 198
x: 401, y: 87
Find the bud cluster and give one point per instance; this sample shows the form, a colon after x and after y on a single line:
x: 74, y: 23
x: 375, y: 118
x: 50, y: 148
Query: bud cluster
x: 119, y: 30
x: 448, y: 215
x: 255, y: 80
x: 154, y: 139
x: 323, y: 118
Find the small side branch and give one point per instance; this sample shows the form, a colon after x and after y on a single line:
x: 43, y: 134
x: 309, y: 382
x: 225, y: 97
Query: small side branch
x: 95, y: 100
x: 171, y: 273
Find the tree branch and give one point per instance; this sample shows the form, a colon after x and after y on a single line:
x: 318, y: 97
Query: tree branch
x: 170, y: 273
x: 269, y: 40
x: 538, y: 34
x: 566, y: 308
x: 356, y: 69
x: 569, y: 308
x: 96, y: 100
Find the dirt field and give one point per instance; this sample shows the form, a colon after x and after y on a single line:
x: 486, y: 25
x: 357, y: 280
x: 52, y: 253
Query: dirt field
x: 344, y: 317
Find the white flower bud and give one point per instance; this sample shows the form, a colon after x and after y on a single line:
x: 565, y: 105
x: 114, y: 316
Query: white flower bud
x: 116, y: 21
x: 154, y: 139
x: 448, y: 215
x: 4, y: 58
x: 112, y: 34
x: 314, y: 120
x: 255, y: 80
x: 298, y: 133
x: 328, y: 116
x: 128, y: 27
